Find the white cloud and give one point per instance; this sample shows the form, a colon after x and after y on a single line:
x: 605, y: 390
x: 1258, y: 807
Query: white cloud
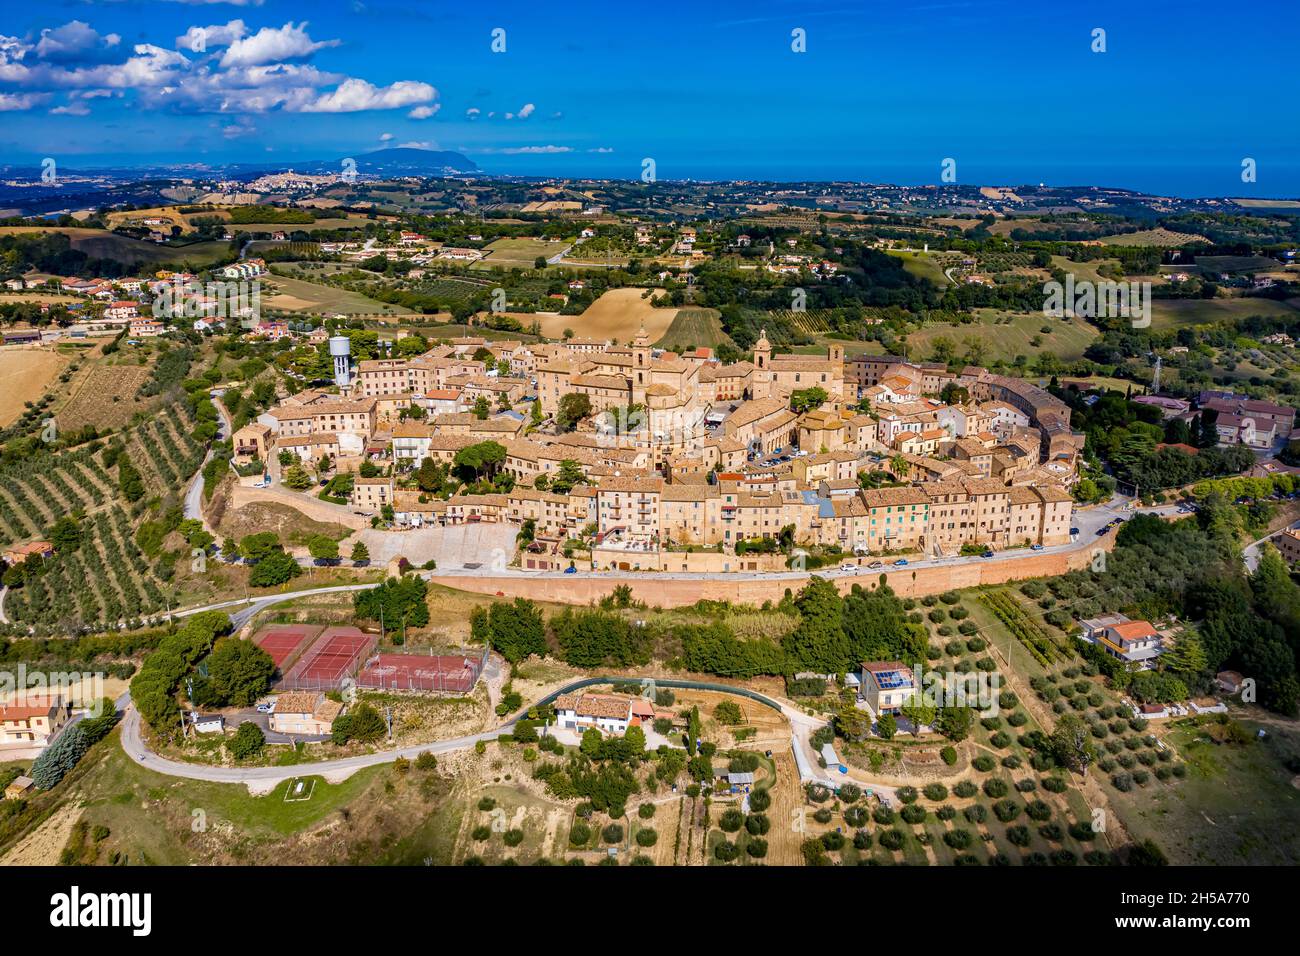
x: 385, y: 137
x: 251, y: 77
x: 515, y: 150
x: 238, y: 130
x: 472, y: 113
x: 419, y: 144
x: 72, y: 109
x: 10, y: 102
x: 354, y: 95
x: 74, y: 41
x: 601, y: 149
x: 269, y: 45
x: 201, y: 39
x: 526, y: 110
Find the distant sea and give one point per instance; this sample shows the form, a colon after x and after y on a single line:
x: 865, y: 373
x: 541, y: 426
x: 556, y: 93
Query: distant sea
x: 1273, y: 180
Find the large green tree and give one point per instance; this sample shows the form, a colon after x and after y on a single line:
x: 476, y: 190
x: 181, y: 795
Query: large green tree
x: 239, y: 672
x: 818, y: 643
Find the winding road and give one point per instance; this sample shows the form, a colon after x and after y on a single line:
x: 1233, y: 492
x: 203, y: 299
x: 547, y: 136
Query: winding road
x: 265, y: 779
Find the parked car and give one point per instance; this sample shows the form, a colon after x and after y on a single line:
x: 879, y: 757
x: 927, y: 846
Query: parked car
x: 570, y: 570
x: 876, y: 564
x: 987, y: 554
x: 267, y: 708
x: 1035, y: 547
x: 901, y: 563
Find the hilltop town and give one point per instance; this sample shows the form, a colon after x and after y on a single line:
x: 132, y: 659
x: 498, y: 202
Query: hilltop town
x: 681, y: 462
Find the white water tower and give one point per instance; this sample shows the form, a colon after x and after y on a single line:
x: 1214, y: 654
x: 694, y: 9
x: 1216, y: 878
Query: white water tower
x: 341, y: 352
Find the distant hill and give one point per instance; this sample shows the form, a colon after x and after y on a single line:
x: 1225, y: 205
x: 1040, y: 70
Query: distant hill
x: 398, y: 161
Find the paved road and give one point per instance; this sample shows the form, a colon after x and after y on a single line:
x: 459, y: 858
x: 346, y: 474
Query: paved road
x: 1088, y: 522
x: 194, y: 494
x: 1251, y: 553
x: 261, y: 779
x: 265, y: 778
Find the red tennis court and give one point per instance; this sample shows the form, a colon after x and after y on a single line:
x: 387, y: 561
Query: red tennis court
x: 282, y: 642
x: 455, y: 673
x: 332, y: 657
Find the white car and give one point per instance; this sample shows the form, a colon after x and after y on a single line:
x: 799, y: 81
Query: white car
x: 266, y: 708
x: 849, y: 567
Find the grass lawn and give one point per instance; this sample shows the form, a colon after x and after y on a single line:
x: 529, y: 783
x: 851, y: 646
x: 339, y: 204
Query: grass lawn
x: 153, y: 815
x: 922, y: 266
x: 1238, y: 804
x: 299, y: 295
x: 518, y: 253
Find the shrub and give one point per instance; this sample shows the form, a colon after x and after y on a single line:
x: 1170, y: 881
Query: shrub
x: 645, y: 811
x: 756, y: 847
x: 907, y: 794
x: 1018, y: 835
x: 995, y: 787
x: 1006, y: 810
x: 945, y: 812
x: 481, y: 832
x: 1051, y: 831
x: 913, y: 814
x: 757, y: 824
x: 1082, y: 832
x: 949, y: 755
x: 486, y: 804
x: 883, y: 815
x: 822, y: 815
x: 247, y: 742
x: 726, y: 851
x: 613, y: 833
x: 936, y: 792
x: 958, y: 839
x: 579, y: 834
x: 833, y: 840
x: 965, y: 789
x: 891, y: 839
x: 983, y: 763
x: 976, y: 813
x: 646, y: 837
x: 1123, y: 782
x: 1038, y: 810
x: 513, y: 837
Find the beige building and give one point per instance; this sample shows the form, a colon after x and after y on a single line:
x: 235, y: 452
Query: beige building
x: 304, y: 712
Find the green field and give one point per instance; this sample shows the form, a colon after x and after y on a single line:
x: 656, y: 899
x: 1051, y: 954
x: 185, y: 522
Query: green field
x: 298, y: 295
x: 133, y: 252
x: 1171, y: 313
x: 1239, y: 804
x: 1152, y: 237
x: 922, y: 266
x: 518, y: 253
x: 1003, y: 340
x: 358, y: 222
x: 694, y: 327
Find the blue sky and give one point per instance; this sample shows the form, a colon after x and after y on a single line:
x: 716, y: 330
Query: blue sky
x: 884, y: 92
